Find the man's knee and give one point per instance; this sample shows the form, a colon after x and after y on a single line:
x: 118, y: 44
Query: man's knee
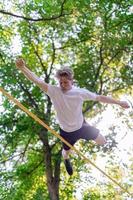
x: 100, y: 139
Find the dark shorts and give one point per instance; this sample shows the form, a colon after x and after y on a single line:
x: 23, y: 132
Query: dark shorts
x: 86, y: 132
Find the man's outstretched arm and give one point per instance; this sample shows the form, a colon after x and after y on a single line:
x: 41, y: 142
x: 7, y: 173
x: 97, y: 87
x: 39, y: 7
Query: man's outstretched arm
x: 110, y: 100
x: 20, y: 64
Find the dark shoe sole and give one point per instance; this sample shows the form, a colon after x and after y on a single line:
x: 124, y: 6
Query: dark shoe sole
x: 68, y: 166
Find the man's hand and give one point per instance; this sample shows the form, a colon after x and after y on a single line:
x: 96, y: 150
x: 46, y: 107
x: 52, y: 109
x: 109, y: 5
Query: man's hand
x: 124, y: 104
x: 20, y: 63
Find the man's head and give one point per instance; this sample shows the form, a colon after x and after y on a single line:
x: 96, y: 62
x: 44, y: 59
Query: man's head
x: 65, y: 77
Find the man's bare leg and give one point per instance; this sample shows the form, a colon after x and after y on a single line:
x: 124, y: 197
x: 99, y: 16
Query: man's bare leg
x: 100, y: 140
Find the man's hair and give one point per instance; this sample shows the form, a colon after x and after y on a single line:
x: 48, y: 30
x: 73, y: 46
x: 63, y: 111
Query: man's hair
x: 65, y: 71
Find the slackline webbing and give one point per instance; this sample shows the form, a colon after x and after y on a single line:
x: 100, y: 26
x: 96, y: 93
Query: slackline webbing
x: 15, y: 101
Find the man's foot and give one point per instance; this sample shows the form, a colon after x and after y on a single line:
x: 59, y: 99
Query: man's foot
x: 68, y: 166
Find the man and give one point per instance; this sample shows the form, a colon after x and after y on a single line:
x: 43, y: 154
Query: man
x: 68, y: 101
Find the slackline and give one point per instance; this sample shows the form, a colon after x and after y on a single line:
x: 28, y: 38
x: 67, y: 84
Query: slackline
x: 15, y: 101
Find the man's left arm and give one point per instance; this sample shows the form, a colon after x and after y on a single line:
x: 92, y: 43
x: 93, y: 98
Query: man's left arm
x: 110, y: 100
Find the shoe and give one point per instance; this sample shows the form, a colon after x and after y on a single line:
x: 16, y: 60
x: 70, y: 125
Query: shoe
x: 68, y: 166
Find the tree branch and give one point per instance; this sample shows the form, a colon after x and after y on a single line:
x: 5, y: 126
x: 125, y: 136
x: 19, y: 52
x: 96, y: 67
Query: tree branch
x: 90, y: 107
x: 36, y: 48
x: 101, y: 62
x: 74, y: 44
x: 21, y: 155
x: 35, y: 167
x: 54, y: 17
x: 31, y: 100
x: 10, y: 158
x: 53, y: 59
x: 39, y: 58
x: 24, y: 151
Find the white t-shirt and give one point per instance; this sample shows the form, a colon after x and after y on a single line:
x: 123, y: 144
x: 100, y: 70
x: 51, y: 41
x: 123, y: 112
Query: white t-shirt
x: 68, y: 106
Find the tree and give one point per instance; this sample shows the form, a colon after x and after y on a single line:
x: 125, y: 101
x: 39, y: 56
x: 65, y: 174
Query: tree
x: 95, y: 39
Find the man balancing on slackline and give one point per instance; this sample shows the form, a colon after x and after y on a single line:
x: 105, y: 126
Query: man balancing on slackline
x: 68, y: 100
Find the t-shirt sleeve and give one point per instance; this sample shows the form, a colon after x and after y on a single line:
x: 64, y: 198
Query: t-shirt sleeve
x: 52, y: 91
x: 88, y: 95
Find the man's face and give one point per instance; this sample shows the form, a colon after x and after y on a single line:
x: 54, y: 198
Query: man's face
x: 65, y: 83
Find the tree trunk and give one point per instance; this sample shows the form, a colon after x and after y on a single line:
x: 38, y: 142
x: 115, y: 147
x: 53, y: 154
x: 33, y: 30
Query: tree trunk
x: 53, y: 190
x: 52, y: 172
x: 54, y: 180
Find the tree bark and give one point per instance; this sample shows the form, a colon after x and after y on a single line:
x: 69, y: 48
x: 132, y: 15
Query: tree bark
x: 53, y: 175
x: 52, y: 171
x: 53, y: 191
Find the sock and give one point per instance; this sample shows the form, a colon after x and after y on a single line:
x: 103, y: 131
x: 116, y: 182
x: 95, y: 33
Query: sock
x: 65, y: 154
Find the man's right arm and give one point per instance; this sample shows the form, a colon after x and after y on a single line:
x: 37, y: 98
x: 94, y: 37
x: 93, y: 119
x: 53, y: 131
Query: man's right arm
x: 20, y: 64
